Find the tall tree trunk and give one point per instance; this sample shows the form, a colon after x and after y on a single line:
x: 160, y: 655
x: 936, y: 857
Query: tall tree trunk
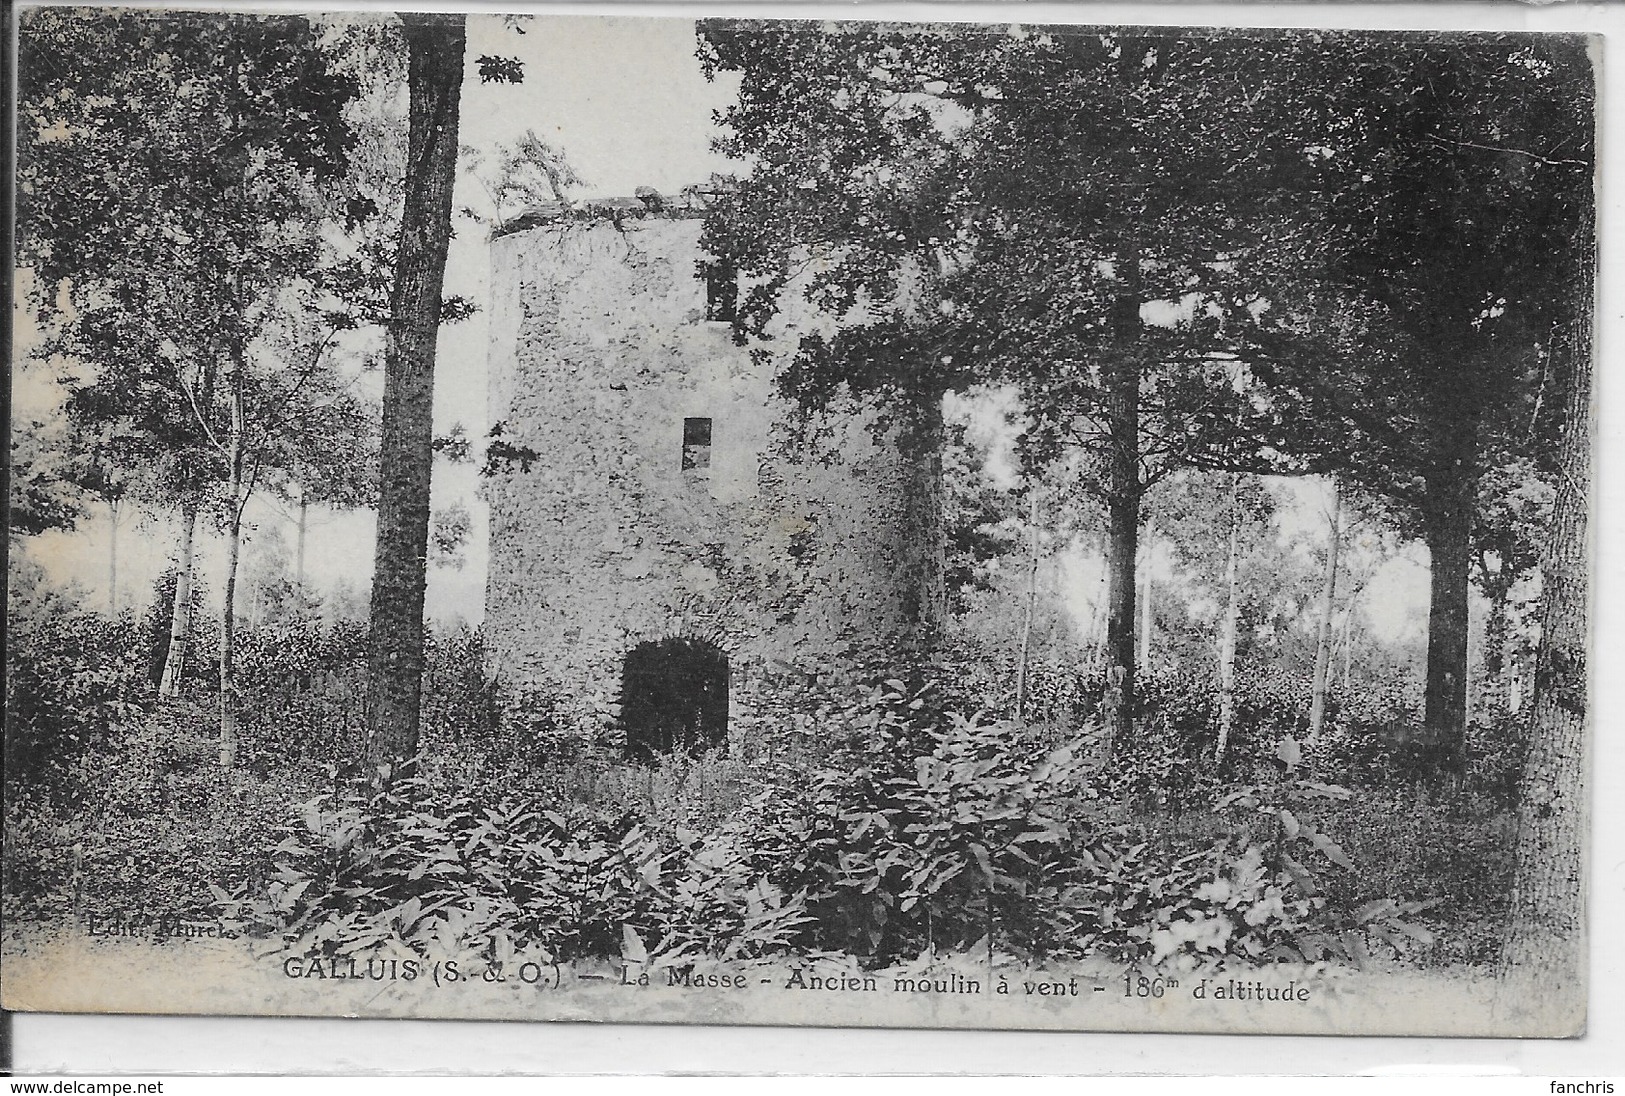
x: 1122, y: 381
x: 234, y: 536
x: 299, y: 540
x: 1032, y: 600
x: 1122, y: 499
x: 1323, y: 638
x: 924, y: 545
x: 112, y: 556
x: 1117, y: 705
x: 1227, y: 631
x: 228, y: 651
x: 1097, y: 623
x: 1545, y: 946
x: 1147, y: 614
x: 1348, y: 640
x: 1448, y: 534
x: 180, y: 614
x: 435, y: 45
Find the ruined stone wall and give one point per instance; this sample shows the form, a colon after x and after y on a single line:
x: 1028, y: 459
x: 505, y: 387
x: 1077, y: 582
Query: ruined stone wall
x: 599, y: 350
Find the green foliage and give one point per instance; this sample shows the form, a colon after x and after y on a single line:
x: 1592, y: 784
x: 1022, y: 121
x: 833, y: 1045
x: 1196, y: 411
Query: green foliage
x: 1254, y: 890
x: 877, y: 821
x: 167, y: 197
x: 1454, y: 856
x: 931, y: 830
x: 142, y: 822
x: 928, y: 827
x: 977, y: 513
x: 673, y: 791
x: 47, y: 491
x: 448, y: 535
x: 1170, y: 768
x: 461, y: 701
x: 500, y: 70
x: 1373, y: 740
x: 480, y: 731
x: 1496, y: 751
x: 73, y: 681
x: 1207, y: 906
x: 300, y: 687
x: 445, y: 872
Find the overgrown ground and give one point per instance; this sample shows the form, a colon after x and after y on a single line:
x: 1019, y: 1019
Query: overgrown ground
x: 877, y: 820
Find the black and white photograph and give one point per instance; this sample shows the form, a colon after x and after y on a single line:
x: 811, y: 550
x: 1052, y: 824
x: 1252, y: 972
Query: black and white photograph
x: 766, y: 522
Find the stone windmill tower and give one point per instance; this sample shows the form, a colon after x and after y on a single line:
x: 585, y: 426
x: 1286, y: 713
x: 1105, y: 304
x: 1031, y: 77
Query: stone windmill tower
x: 669, y: 533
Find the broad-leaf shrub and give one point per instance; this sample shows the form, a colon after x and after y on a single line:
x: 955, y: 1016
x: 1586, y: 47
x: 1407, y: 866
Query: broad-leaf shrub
x: 930, y: 829
x: 408, y: 865
x: 1496, y: 748
x: 1297, y: 852
x: 1455, y: 854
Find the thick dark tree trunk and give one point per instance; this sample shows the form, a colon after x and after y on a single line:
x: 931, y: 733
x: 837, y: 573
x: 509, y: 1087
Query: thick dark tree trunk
x: 1448, y: 530
x: 924, y: 542
x: 1117, y: 705
x: 1122, y: 482
x: 395, y: 649
x: 1544, y: 956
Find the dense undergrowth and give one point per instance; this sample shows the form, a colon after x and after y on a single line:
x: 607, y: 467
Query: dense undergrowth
x: 878, y: 820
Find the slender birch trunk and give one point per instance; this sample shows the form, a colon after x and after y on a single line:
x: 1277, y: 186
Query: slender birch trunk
x: 1027, y: 618
x: 299, y: 541
x: 1323, y: 638
x: 1229, y: 627
x: 180, y: 615
x: 1146, y: 613
x: 112, y: 557
x: 234, y: 533
x: 1348, y: 640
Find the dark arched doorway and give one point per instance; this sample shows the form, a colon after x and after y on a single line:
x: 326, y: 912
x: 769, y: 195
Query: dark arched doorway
x: 674, y: 695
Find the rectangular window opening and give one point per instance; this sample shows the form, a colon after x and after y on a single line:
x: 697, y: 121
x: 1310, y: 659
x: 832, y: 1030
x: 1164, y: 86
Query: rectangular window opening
x: 696, y: 444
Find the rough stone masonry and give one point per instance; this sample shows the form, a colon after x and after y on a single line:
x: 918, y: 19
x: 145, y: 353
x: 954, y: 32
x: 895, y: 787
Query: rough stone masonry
x: 680, y: 529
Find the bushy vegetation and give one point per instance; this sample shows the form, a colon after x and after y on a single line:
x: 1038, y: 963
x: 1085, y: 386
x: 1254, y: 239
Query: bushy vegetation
x: 927, y: 830
x: 881, y: 821
x: 73, y: 683
x: 428, y: 868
